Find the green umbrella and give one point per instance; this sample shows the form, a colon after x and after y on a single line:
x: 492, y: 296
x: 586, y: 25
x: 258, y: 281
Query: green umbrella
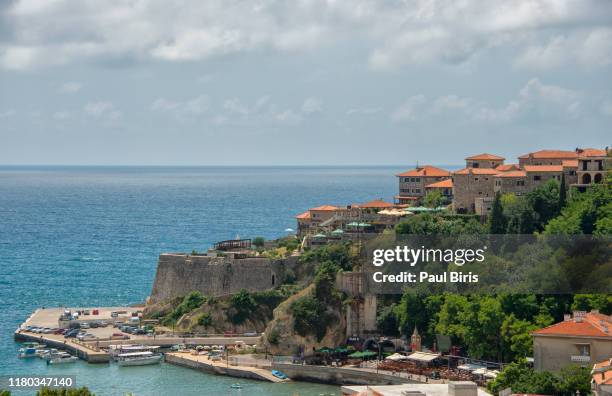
x: 337, y: 232
x: 319, y: 236
x: 363, y: 225
x: 353, y: 224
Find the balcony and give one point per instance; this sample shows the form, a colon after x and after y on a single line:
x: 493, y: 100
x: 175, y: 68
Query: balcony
x: 580, y: 359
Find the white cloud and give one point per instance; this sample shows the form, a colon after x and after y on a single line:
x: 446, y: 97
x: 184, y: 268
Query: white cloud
x: 312, y: 105
x: 61, y: 115
x: 183, y: 110
x: 395, y: 34
x: 410, y: 109
x: 70, y: 87
x: 534, y: 101
x: 102, y: 109
x: 367, y: 111
x: 586, y: 48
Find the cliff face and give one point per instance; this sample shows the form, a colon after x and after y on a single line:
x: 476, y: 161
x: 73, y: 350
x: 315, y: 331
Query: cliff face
x: 179, y: 274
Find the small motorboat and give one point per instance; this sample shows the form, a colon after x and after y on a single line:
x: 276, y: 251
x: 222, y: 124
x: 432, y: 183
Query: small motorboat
x: 279, y: 374
x: 62, y: 358
x: 236, y: 386
x: 28, y: 352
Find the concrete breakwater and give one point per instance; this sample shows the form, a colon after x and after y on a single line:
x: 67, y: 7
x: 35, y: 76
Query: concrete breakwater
x: 220, y: 367
x: 339, y: 375
x: 82, y: 351
x: 178, y: 274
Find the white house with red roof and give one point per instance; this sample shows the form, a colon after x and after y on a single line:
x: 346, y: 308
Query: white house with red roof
x: 584, y: 338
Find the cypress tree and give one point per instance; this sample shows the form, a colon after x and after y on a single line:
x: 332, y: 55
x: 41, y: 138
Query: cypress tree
x: 497, y: 220
x: 562, y: 193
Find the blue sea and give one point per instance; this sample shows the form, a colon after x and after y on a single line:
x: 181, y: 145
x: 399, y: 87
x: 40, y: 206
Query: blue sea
x: 90, y: 236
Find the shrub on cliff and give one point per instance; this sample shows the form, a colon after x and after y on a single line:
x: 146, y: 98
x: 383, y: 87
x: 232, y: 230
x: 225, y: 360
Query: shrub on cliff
x: 190, y: 302
x: 309, y: 316
x: 204, y: 319
x: 64, y: 392
x: 242, y: 304
x: 338, y: 253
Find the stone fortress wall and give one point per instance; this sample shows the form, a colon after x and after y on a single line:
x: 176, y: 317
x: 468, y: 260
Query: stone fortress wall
x: 178, y: 274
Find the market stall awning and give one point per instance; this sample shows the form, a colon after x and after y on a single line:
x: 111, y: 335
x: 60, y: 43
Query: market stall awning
x: 471, y: 367
x: 396, y: 357
x: 423, y: 356
x: 362, y: 354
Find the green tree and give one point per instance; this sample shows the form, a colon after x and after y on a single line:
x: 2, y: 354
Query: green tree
x: 545, y: 202
x: 64, y: 392
x: 259, y: 242
x: 497, y: 220
x: 387, y: 321
x: 562, y: 192
x: 574, y: 379
x: 243, y: 305
x: 433, y: 199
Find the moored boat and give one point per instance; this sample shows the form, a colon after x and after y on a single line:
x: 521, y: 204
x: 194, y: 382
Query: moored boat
x: 138, y: 358
x: 62, y: 358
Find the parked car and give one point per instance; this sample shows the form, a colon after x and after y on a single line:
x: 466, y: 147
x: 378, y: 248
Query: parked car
x: 229, y: 334
x: 85, y: 325
x: 59, y: 331
x: 250, y: 334
x: 114, y: 314
x: 120, y: 336
x: 71, y: 333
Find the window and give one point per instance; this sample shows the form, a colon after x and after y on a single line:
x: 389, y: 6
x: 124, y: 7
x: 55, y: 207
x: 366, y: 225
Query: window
x: 584, y: 349
x: 537, y: 178
x: 572, y: 172
x: 475, y: 164
x: 475, y: 179
x: 418, y: 179
x: 412, y: 179
x: 520, y: 182
x: 417, y: 190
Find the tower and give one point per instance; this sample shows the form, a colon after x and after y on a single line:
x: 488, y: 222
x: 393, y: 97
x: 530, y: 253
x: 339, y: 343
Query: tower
x: 415, y: 340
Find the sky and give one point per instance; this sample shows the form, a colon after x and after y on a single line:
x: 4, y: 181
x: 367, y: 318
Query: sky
x: 266, y: 82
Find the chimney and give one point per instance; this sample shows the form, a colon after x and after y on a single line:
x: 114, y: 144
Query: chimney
x: 462, y: 388
x: 567, y: 317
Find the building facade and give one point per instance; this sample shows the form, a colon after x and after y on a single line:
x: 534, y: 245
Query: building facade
x: 583, y: 339
x: 413, y: 183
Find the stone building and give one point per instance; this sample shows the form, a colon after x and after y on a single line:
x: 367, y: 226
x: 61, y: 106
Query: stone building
x: 582, y: 339
x: 512, y: 182
x: 484, y: 160
x: 473, y: 190
x: 475, y: 186
x: 412, y: 183
x: 591, y: 167
x: 445, y: 187
x: 547, y: 157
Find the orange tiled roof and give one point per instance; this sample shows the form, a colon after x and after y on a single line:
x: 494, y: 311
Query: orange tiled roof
x: 448, y: 183
x: 589, y: 326
x: 476, y: 171
x: 485, y: 156
x: 602, y: 372
x: 325, y: 208
x: 425, y: 170
x: 377, y: 204
x: 569, y: 163
x: 554, y: 154
x: 507, y: 167
x: 303, y: 216
x: 516, y: 173
x: 405, y: 197
x: 544, y: 168
x: 591, y: 152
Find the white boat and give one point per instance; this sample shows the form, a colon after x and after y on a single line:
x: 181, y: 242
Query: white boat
x: 28, y: 352
x: 138, y: 358
x: 116, y: 350
x: 62, y: 358
x: 47, y: 353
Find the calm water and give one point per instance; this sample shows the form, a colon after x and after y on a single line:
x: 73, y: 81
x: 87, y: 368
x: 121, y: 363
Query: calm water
x: 91, y: 236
